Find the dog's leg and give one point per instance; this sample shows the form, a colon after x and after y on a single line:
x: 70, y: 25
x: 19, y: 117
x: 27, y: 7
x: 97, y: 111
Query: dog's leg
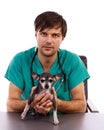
x: 55, y: 118
x: 27, y: 107
x: 25, y: 111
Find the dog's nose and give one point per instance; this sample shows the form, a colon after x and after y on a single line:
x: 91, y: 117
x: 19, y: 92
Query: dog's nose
x: 46, y: 86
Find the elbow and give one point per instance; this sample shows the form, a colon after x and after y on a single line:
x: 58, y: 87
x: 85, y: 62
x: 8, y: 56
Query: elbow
x: 83, y: 107
x: 9, y: 107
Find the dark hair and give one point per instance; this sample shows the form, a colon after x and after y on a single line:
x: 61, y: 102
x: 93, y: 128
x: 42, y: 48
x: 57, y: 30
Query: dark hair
x: 50, y: 19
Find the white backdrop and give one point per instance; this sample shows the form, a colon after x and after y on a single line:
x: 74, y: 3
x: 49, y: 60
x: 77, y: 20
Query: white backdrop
x: 85, y: 36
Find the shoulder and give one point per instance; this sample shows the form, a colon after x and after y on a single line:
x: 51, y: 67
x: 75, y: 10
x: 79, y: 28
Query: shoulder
x: 23, y: 55
x: 68, y: 56
x: 70, y: 61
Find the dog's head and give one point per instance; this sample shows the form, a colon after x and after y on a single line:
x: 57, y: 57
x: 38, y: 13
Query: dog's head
x: 46, y: 79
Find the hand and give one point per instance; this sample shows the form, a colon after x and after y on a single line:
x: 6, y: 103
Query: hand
x: 44, y: 108
x: 42, y: 102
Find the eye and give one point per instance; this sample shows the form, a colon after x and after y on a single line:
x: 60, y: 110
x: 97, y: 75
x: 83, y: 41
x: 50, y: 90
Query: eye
x: 50, y: 80
x: 44, y: 34
x: 56, y: 35
x: 42, y: 80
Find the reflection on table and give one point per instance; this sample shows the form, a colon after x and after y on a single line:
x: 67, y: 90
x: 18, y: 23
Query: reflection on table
x: 86, y: 121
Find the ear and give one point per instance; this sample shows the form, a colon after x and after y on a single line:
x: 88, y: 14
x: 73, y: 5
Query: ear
x: 35, y: 76
x: 57, y: 77
x: 63, y: 38
x: 35, y: 34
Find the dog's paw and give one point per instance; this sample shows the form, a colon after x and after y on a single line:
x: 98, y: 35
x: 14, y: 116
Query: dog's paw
x: 56, y: 122
x: 22, y: 116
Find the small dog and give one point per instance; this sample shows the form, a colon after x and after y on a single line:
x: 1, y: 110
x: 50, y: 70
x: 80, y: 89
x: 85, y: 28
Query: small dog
x: 45, y: 84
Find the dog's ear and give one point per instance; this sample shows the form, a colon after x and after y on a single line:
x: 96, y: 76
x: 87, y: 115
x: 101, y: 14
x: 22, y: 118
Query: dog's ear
x: 35, y: 76
x: 57, y: 77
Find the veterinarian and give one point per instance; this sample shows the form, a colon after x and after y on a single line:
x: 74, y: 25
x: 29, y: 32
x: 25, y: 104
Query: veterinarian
x: 50, y: 31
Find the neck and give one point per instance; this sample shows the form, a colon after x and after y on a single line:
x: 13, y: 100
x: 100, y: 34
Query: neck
x: 47, y: 61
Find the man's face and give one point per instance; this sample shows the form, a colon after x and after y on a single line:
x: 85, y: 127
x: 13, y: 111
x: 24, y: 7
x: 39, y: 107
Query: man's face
x: 49, y: 41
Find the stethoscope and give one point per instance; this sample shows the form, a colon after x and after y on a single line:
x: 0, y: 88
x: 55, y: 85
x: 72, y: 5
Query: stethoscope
x: 31, y: 71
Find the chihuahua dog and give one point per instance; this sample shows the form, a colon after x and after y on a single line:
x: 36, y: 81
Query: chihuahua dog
x: 45, y: 85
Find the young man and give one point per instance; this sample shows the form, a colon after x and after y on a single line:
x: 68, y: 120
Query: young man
x: 50, y: 31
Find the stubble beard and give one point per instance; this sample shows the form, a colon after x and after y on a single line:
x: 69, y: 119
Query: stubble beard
x: 48, y: 55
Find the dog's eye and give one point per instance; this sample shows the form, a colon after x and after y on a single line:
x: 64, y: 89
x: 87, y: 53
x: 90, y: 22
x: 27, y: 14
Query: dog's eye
x: 50, y: 80
x: 42, y: 80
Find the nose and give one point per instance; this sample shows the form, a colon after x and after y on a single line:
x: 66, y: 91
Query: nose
x: 49, y: 39
x: 46, y: 86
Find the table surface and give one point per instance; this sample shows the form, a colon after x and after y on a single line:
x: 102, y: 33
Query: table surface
x: 86, y: 121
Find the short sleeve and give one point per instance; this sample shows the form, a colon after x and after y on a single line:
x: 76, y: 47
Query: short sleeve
x: 78, y: 72
x: 14, y: 71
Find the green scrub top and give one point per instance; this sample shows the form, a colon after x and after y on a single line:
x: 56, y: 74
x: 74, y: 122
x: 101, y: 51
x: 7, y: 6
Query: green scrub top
x: 18, y: 72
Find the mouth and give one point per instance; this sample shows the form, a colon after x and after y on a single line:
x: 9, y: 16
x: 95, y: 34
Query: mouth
x: 47, y: 48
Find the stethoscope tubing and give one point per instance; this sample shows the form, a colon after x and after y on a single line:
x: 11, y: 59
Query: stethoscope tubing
x: 33, y: 58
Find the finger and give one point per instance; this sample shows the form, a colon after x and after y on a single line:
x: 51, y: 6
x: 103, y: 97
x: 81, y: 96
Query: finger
x: 44, y: 99
x: 48, y: 103
x: 42, y: 110
x: 39, y: 97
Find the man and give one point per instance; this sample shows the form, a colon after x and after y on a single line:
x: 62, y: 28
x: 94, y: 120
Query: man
x: 50, y: 31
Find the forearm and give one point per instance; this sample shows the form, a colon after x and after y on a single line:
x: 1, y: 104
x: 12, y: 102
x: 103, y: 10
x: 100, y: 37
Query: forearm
x: 15, y: 105
x: 72, y: 106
